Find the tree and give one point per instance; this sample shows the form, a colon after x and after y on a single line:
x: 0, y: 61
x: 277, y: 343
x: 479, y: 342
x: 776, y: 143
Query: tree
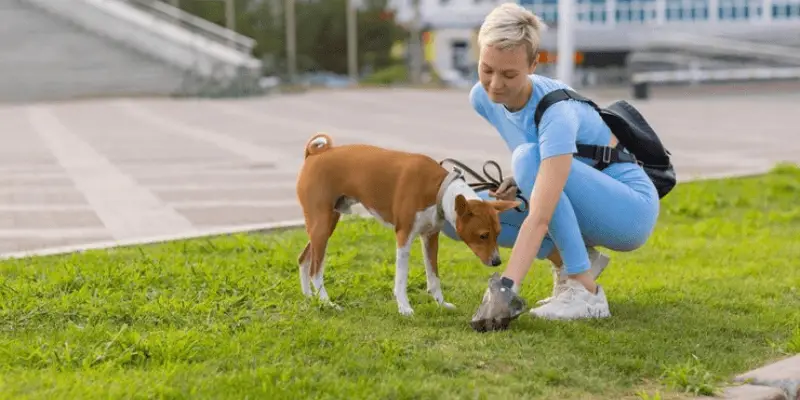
x: 321, y: 32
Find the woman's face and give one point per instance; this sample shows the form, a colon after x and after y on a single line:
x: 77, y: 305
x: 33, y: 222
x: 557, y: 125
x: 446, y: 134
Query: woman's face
x: 504, y: 74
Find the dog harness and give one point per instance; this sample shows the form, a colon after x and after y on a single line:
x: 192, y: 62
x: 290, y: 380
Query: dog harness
x: 450, y: 178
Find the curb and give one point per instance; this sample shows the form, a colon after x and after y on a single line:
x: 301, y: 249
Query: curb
x: 779, y: 380
x: 783, y: 375
x: 231, y: 230
x: 358, y: 212
x: 750, y: 392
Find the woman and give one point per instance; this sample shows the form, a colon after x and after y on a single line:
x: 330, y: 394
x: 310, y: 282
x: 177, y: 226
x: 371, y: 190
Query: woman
x: 573, y: 206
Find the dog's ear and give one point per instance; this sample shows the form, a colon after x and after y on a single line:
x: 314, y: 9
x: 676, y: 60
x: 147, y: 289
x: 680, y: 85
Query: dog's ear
x: 462, y: 208
x: 503, y: 205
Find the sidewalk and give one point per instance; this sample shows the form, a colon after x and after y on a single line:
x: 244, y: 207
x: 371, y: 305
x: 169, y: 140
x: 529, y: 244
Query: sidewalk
x: 82, y: 172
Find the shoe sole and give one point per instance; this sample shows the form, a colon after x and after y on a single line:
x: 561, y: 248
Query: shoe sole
x: 600, y: 315
x: 596, y: 313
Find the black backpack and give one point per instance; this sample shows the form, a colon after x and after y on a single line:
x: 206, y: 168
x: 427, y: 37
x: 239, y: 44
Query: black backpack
x: 634, y: 134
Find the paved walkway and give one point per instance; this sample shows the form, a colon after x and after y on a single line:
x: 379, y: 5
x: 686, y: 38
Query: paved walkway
x: 80, y: 172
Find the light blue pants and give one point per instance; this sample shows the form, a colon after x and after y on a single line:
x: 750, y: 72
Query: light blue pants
x: 616, y: 208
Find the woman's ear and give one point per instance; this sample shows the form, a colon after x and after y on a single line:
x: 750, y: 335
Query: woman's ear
x: 534, y: 64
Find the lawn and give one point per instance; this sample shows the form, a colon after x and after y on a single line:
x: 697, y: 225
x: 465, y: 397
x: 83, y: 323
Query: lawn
x: 714, y: 293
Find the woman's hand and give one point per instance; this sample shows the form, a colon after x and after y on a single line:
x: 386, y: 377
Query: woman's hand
x: 506, y: 191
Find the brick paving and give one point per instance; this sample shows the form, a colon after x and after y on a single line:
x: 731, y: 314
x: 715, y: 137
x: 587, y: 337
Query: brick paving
x: 87, y: 171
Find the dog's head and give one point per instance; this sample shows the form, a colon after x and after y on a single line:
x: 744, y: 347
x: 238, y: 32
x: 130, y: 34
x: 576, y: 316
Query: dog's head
x: 478, y: 225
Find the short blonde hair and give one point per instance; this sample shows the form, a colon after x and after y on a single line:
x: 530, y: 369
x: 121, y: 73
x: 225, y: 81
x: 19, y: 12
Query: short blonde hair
x: 509, y: 25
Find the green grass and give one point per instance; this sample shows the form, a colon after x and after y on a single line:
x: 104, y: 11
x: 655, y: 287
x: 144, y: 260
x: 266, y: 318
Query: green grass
x: 714, y: 293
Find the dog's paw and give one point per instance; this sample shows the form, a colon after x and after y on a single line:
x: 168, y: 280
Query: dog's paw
x: 440, y: 300
x: 406, y: 310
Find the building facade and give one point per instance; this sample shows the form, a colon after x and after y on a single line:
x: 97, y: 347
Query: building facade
x: 605, y: 31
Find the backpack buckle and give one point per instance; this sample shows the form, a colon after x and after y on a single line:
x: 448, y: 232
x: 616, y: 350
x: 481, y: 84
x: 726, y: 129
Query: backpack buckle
x: 607, y: 154
x: 602, y: 154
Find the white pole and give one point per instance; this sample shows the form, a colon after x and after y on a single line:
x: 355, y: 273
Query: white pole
x: 415, y: 46
x: 291, y: 39
x: 352, y: 42
x: 230, y: 18
x: 611, y: 12
x: 661, y: 11
x: 566, y: 43
x: 766, y: 7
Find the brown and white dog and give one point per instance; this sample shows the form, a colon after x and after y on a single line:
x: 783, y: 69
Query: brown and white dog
x: 409, y: 192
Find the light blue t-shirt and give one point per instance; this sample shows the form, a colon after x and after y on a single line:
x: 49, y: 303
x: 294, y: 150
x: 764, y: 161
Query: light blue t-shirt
x: 562, y: 126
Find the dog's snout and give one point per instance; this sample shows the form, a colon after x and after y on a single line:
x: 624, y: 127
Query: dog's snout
x: 495, y: 261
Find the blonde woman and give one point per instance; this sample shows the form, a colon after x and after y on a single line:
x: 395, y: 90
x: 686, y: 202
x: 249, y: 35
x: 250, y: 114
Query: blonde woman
x: 574, y: 206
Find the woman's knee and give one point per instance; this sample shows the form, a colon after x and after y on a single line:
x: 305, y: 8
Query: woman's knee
x: 623, y: 233
x: 624, y: 246
x: 634, y: 239
x: 612, y: 207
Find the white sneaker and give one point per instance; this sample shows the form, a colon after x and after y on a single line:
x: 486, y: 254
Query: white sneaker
x: 559, y: 278
x: 574, y: 302
x: 599, y: 262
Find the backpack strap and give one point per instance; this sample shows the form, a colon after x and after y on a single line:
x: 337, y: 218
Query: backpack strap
x: 603, y: 155
x: 556, y: 96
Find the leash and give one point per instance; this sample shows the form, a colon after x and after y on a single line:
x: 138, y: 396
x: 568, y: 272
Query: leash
x: 487, y: 181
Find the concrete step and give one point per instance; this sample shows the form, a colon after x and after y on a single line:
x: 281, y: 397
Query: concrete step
x: 47, y: 58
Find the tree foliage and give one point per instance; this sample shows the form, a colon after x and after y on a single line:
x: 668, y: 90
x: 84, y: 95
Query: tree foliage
x: 321, y: 32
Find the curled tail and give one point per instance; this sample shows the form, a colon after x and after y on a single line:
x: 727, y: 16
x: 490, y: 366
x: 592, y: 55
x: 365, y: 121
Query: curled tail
x: 317, y: 144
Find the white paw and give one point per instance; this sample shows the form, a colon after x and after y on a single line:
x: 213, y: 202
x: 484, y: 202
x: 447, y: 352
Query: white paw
x: 406, y: 310
x: 439, y: 297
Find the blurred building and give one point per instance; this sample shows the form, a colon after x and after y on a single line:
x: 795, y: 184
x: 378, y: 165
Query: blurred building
x: 683, y: 40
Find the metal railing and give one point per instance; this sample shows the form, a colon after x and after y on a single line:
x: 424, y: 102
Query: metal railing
x: 714, y: 45
x: 672, y: 67
x: 683, y: 60
x: 740, y: 74
x: 641, y: 81
x: 197, y: 25
x: 741, y: 61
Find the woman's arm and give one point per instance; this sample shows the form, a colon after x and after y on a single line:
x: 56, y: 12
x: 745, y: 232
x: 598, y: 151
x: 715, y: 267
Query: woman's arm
x: 557, y: 134
x: 552, y: 177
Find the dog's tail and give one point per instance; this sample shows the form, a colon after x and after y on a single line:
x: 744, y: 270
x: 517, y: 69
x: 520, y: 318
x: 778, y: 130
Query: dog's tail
x: 317, y: 144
